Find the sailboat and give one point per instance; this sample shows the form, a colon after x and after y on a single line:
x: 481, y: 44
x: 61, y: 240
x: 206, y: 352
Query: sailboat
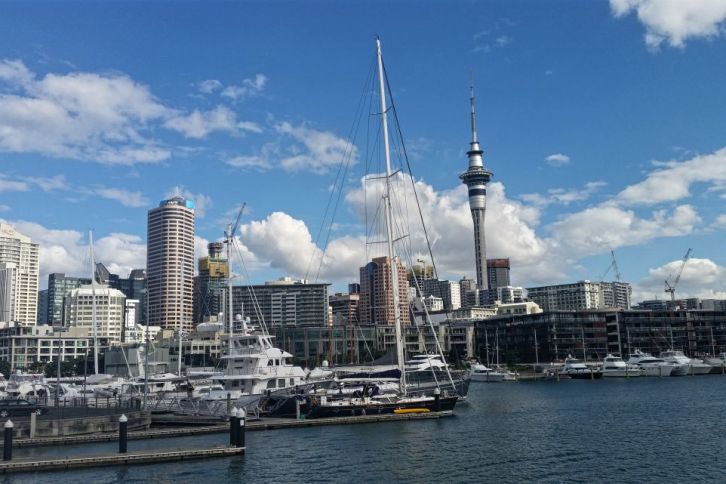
x: 369, y: 399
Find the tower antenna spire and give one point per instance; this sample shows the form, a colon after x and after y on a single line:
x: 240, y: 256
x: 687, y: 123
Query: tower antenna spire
x: 473, y: 114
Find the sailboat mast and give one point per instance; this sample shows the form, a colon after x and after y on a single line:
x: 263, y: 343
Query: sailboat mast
x: 230, y: 318
x: 181, y: 320
x: 389, y: 221
x: 93, y: 304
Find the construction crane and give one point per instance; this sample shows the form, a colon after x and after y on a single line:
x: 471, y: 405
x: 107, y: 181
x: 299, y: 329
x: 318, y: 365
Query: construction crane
x: 671, y: 288
x: 614, y: 266
x: 229, y: 240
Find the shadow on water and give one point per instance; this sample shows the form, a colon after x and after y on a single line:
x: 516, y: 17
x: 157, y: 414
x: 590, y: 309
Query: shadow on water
x: 639, y: 430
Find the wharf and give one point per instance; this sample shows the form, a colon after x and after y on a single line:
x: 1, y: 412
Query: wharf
x: 251, y: 425
x: 130, y: 458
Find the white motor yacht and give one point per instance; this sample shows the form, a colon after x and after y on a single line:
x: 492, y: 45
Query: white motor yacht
x: 425, y: 362
x: 483, y: 373
x: 693, y: 366
x: 576, y: 369
x: 614, y: 366
x: 255, y: 366
x: 653, y: 366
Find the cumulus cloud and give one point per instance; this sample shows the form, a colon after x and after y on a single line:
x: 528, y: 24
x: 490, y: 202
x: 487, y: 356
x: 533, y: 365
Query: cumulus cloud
x: 300, y: 148
x: 557, y: 159
x: 702, y: 278
x: 209, y: 86
x: 198, y: 124
x: 79, y: 115
x: 672, y: 180
x: 68, y: 251
x: 126, y: 198
x: 674, y: 21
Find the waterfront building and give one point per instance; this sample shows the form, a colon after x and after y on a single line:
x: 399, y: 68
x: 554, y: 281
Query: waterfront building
x: 420, y: 273
x: 376, y: 292
x: 60, y: 286
x: 18, y: 252
x: 210, y: 284
x: 522, y: 307
x: 7, y: 291
x: 476, y: 178
x: 474, y: 313
x: 582, y: 295
x: 170, y: 264
x: 595, y: 333
x: 653, y: 305
x: 23, y: 345
x: 713, y: 304
x: 283, y: 303
x: 110, y: 309
x: 344, y: 308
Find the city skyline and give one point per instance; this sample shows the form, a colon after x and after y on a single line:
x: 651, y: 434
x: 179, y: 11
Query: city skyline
x: 104, y: 138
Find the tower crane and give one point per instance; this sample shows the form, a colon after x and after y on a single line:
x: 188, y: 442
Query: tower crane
x: 614, y: 266
x: 671, y: 288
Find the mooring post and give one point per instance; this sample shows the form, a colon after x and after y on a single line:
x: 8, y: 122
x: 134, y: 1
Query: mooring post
x: 123, y: 427
x: 297, y: 408
x: 33, y: 424
x: 437, y: 399
x: 229, y: 404
x: 241, y: 417
x: 233, y: 426
x: 8, y: 449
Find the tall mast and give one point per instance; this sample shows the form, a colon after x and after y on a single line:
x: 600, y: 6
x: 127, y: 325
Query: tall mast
x: 230, y: 317
x: 181, y: 320
x: 389, y: 221
x: 93, y: 304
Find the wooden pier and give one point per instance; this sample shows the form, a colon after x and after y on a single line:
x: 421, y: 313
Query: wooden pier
x: 251, y: 425
x: 130, y: 458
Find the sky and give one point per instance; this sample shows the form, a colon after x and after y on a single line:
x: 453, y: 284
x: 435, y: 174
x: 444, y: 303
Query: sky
x: 602, y: 122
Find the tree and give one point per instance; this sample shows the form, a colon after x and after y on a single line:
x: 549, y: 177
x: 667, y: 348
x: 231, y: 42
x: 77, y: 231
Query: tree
x: 37, y: 367
x: 5, y: 368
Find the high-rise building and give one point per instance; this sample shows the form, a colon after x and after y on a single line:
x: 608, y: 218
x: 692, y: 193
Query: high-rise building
x: 7, y: 291
x: 109, y: 311
x: 60, y: 286
x: 344, y: 308
x: 476, y: 178
x: 170, y: 264
x: 376, y: 292
x: 498, y: 273
x: 448, y: 291
x: 17, y: 249
x: 582, y: 295
x: 282, y: 303
x: 210, y: 284
x: 42, y: 307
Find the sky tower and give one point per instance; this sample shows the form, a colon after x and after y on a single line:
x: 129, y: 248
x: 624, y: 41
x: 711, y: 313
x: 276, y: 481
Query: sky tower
x: 476, y: 178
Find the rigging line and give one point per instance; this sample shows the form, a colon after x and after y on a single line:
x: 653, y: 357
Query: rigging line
x: 345, y: 161
x: 418, y: 204
x: 250, y: 289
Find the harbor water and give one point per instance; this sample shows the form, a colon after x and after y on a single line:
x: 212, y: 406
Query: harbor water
x: 616, y: 430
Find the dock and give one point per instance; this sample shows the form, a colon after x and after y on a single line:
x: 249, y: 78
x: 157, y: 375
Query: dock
x: 130, y: 458
x: 251, y: 425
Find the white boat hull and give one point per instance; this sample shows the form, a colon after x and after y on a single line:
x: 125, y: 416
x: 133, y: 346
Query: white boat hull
x: 630, y: 372
x: 659, y: 371
x: 488, y: 377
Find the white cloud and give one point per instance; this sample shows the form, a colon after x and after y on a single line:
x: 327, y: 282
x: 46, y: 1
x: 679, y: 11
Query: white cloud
x: 598, y: 229
x: 67, y: 251
x: 198, y: 124
x: 124, y: 197
x: 720, y: 221
x: 80, y: 115
x: 49, y: 184
x: 672, y: 180
x: 316, y: 150
x: 4, y: 208
x: 700, y: 278
x: 209, y: 86
x: 248, y: 88
x: 557, y: 159
x: 674, y: 21
x: 8, y: 185
x: 202, y: 202
x: 564, y: 196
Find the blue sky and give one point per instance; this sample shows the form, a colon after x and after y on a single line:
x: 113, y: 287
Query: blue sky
x: 602, y: 122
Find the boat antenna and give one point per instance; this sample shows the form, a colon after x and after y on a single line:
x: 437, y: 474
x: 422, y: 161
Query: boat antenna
x: 389, y: 222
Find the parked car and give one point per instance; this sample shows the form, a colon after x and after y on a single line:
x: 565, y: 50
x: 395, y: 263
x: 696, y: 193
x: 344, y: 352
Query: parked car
x: 17, y: 407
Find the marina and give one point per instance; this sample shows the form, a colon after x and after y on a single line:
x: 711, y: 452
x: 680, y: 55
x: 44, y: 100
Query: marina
x: 544, y: 432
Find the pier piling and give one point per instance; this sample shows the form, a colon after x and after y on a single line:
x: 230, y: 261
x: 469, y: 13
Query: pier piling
x: 437, y: 399
x: 123, y: 434
x: 8, y: 448
x: 241, y: 414
x: 233, y: 426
